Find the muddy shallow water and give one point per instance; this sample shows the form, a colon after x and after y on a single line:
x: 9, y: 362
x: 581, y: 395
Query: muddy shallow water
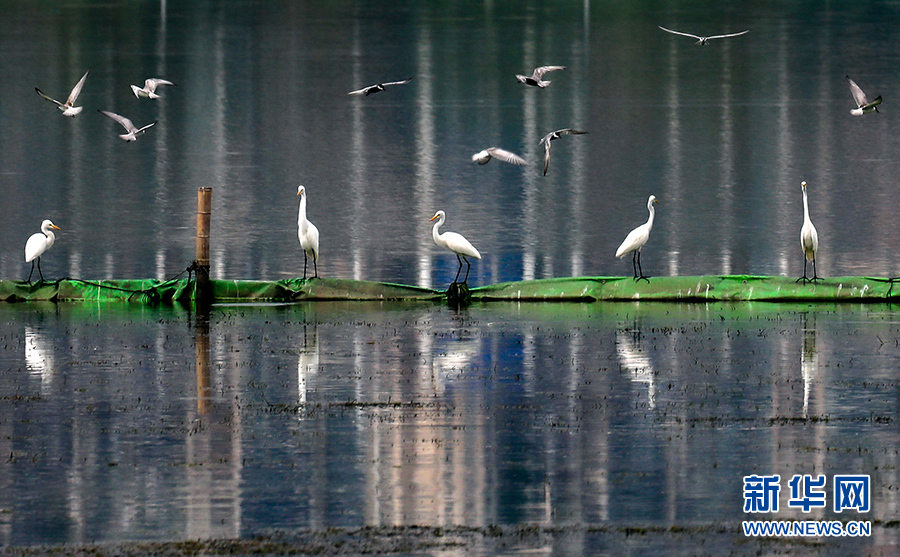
x: 503, y: 428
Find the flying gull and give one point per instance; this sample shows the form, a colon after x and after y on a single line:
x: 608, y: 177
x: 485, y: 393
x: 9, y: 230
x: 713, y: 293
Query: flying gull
x: 702, y: 40
x: 484, y: 157
x: 535, y: 79
x: 551, y: 137
x: 133, y: 131
x: 149, y: 89
x: 378, y: 87
x: 68, y: 108
x: 863, y: 104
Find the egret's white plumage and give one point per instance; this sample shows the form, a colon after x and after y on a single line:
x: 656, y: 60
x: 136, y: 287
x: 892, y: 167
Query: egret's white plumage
x: 68, y: 108
x: 809, y: 239
x: 37, y: 244
x: 636, y: 240
x: 133, y: 131
x: 454, y: 242
x: 485, y: 156
x: 536, y: 77
x: 148, y: 91
x: 703, y: 40
x: 308, y: 235
x: 863, y: 104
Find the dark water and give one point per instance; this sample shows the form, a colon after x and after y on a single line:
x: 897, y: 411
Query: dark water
x: 127, y: 423
x: 722, y: 135
x: 123, y: 423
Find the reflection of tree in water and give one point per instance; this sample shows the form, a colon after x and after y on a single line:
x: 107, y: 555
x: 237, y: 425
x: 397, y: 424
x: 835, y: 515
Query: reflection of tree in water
x: 633, y: 359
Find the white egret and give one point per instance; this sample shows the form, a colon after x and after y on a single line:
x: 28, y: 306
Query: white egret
x: 68, y: 108
x: 455, y: 243
x: 536, y: 77
x: 636, y: 240
x: 378, y: 87
x: 485, y: 156
x: 545, y: 141
x: 308, y: 234
x: 863, y: 104
x: 703, y: 40
x: 133, y: 131
x: 37, y: 244
x: 809, y: 239
x: 148, y: 91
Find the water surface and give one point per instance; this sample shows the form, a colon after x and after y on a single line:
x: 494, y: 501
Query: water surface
x: 722, y: 135
x: 123, y: 423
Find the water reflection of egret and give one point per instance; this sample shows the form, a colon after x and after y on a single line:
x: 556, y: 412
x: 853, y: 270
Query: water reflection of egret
x: 307, y: 365
x: 39, y: 359
x: 632, y: 358
x: 809, y: 365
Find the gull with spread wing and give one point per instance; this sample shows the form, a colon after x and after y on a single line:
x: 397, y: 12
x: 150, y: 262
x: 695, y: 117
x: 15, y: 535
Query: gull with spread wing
x: 485, y: 156
x: 378, y: 87
x: 545, y: 141
x: 133, y: 131
x: 703, y: 40
x: 148, y: 91
x: 863, y: 104
x: 536, y: 77
x: 68, y: 108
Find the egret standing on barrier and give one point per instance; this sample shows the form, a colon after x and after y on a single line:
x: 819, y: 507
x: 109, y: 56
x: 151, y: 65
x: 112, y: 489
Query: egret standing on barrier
x: 308, y: 234
x: 37, y: 244
x: 455, y: 243
x: 636, y: 240
x: 809, y: 239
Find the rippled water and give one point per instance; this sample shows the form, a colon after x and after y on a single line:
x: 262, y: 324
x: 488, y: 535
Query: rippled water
x: 722, y: 135
x: 123, y: 423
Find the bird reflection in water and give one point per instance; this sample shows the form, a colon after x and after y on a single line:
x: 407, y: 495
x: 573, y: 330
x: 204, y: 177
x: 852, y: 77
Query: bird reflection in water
x: 633, y: 359
x: 39, y: 359
x: 307, y: 366
x: 809, y: 363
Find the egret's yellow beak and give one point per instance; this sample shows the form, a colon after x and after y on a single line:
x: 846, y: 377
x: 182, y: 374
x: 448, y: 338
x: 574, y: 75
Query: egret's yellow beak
x: 432, y: 218
x: 56, y: 227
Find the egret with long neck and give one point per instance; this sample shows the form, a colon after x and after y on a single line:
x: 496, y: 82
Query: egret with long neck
x: 809, y: 239
x: 455, y: 243
x: 636, y: 240
x: 37, y: 244
x: 308, y: 234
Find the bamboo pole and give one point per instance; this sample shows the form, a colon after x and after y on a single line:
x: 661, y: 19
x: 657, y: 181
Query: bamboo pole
x: 202, y: 288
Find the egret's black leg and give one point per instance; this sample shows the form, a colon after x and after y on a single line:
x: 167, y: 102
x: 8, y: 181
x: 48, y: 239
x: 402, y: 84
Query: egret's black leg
x: 459, y: 269
x: 803, y: 278
x: 31, y: 273
x: 815, y: 274
x: 304, y: 264
x: 315, y: 267
x: 39, y: 269
x: 468, y: 266
x: 634, y: 264
x: 640, y: 269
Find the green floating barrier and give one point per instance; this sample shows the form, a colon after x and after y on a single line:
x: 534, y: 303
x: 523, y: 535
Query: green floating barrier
x: 576, y: 289
x: 692, y: 289
x: 152, y: 291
